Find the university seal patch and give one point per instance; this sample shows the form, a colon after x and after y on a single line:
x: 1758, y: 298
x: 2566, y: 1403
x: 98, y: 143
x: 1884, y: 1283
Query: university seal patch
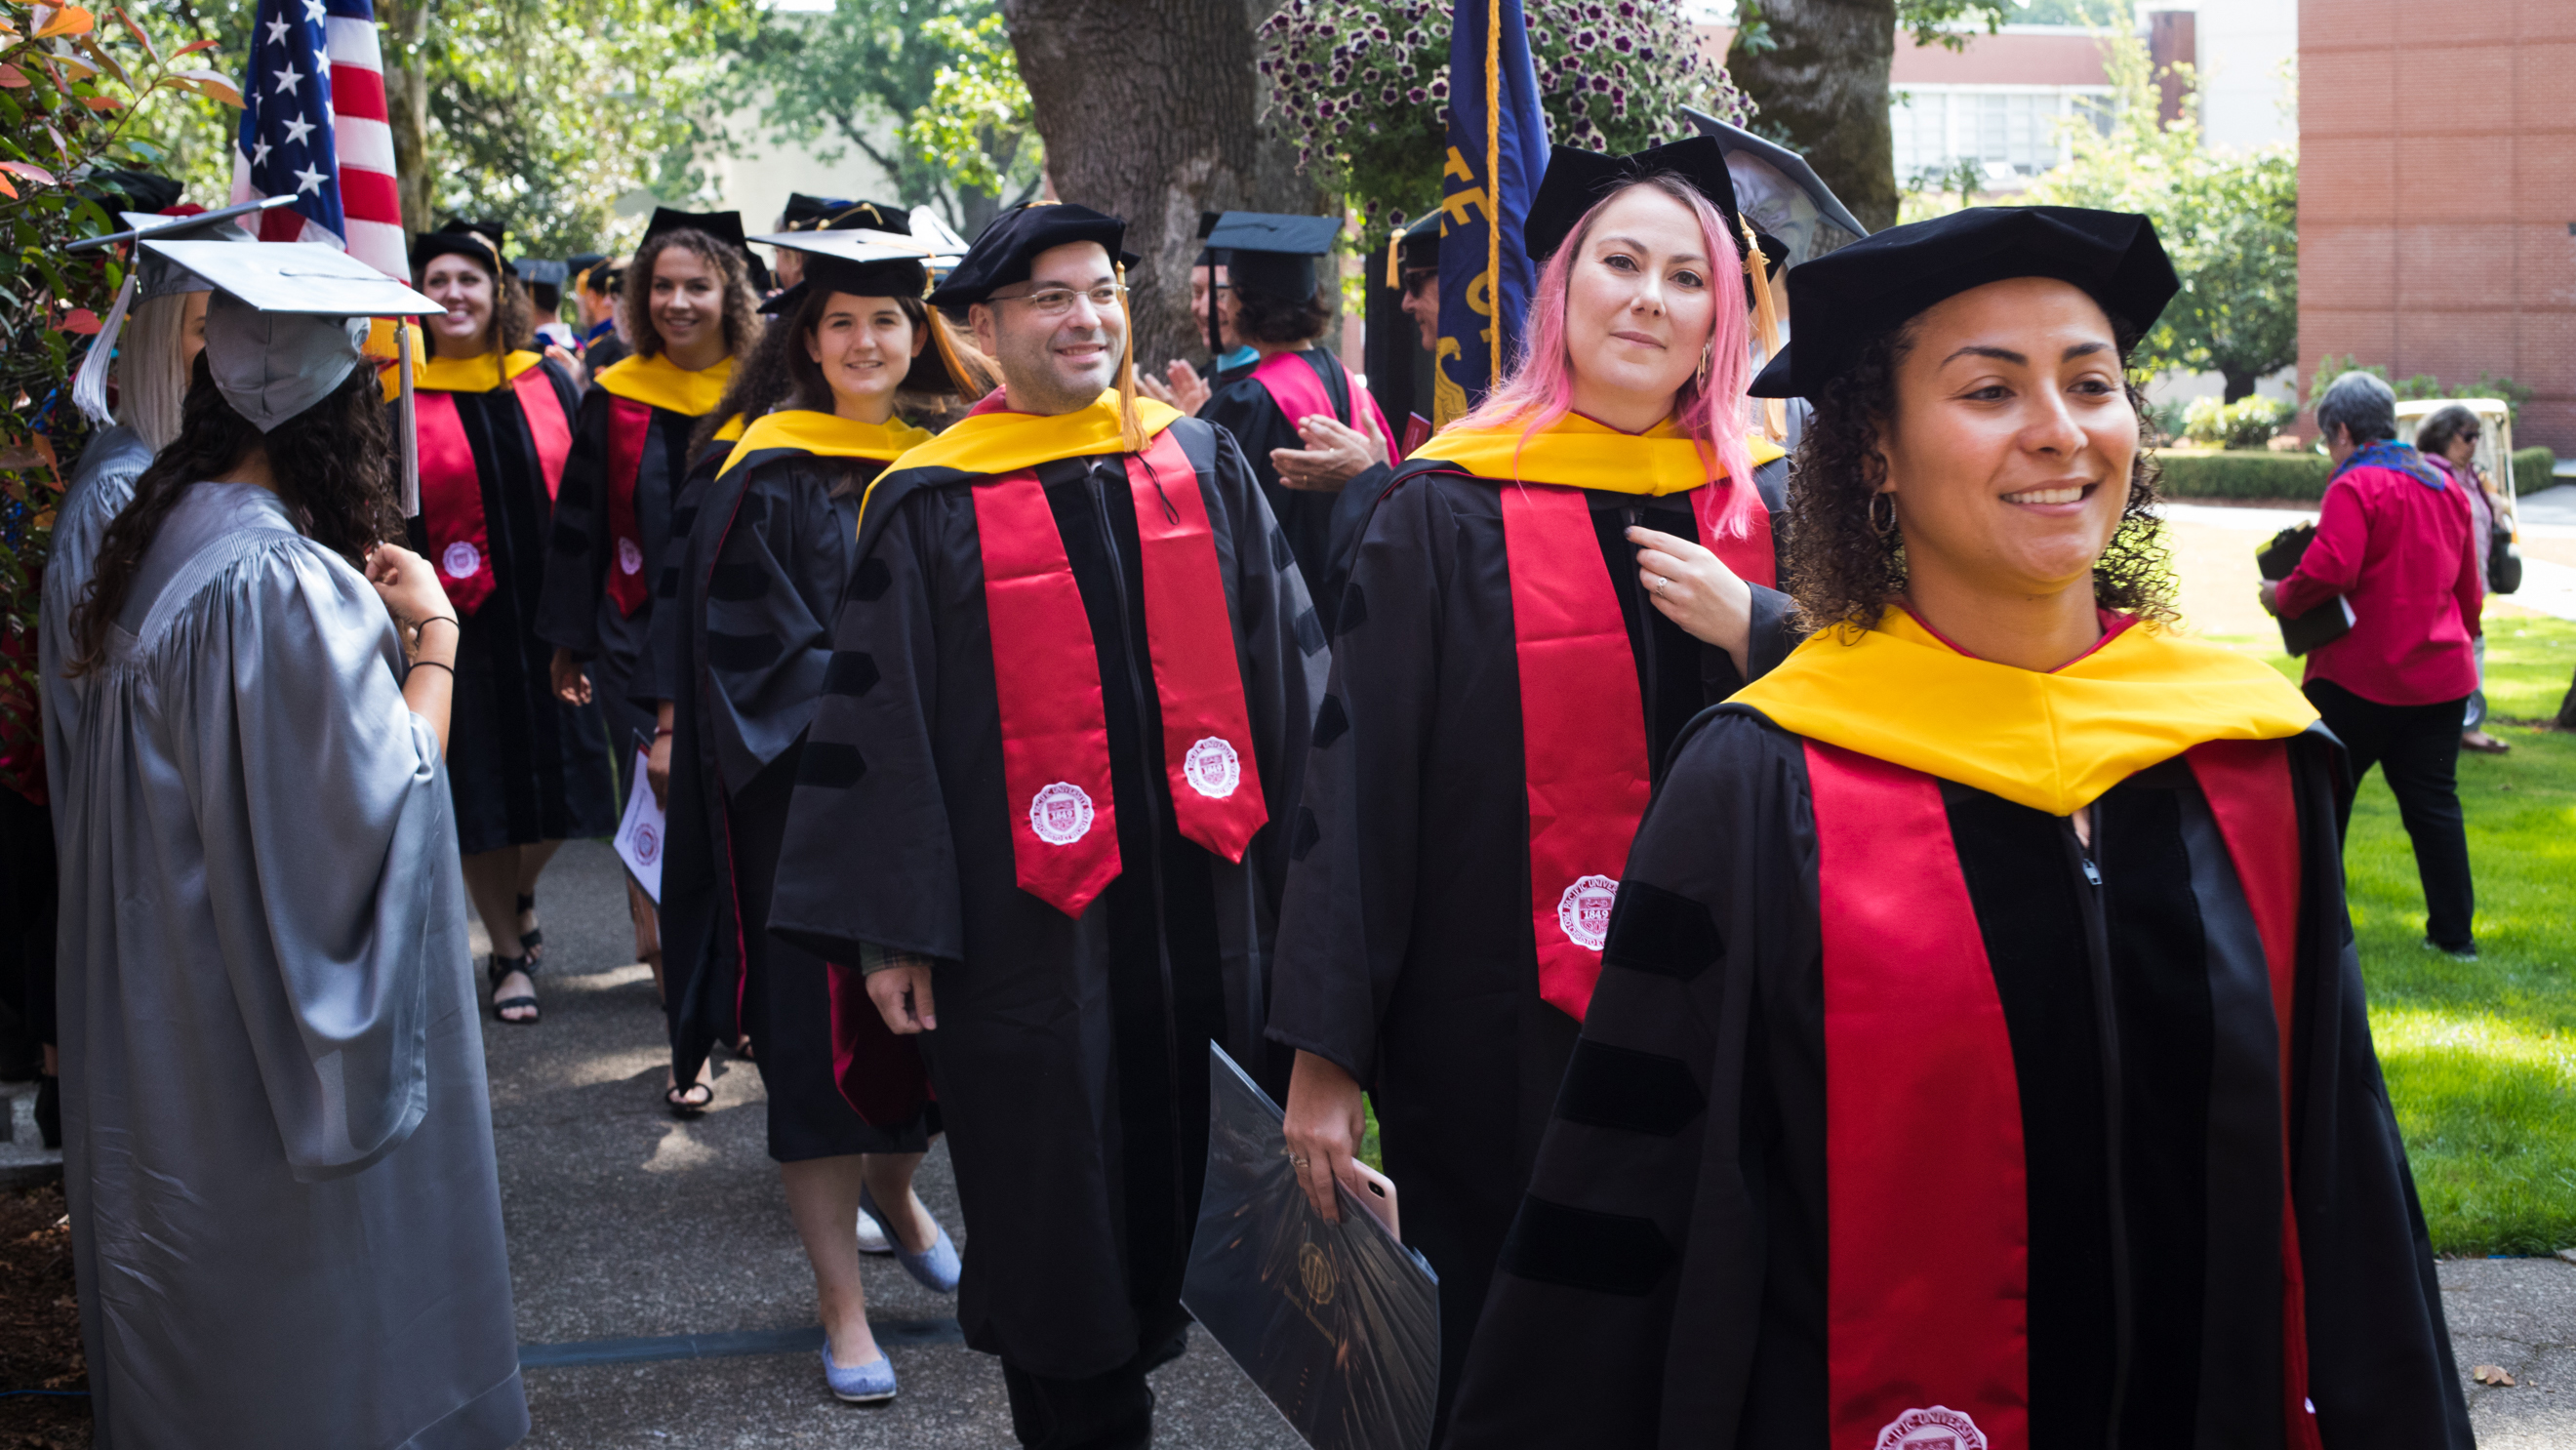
x: 1212, y: 768
x: 630, y: 557
x: 1583, y: 912
x: 461, y: 560
x: 1938, y: 1428
x: 1060, y: 814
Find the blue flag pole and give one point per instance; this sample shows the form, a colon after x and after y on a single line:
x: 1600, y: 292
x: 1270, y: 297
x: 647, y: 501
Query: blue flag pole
x: 1497, y: 155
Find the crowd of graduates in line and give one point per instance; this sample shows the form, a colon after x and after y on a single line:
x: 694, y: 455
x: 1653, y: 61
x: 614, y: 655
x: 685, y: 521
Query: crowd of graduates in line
x: 1830, y: 963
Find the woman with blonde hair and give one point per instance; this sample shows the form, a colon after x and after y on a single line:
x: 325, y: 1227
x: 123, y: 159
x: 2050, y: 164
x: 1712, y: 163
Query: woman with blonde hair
x: 1547, y: 594
x: 689, y: 311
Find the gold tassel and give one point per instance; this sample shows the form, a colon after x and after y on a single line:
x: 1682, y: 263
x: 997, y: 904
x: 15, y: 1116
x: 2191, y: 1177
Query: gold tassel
x: 1131, y: 429
x: 1766, y: 329
x: 1394, y: 253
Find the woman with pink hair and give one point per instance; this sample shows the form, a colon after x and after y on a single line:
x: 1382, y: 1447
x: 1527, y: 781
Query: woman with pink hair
x: 1545, y: 595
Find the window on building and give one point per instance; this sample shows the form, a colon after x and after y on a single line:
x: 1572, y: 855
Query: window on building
x: 2005, y: 132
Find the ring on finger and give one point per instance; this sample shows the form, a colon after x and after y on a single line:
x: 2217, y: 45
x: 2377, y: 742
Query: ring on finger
x: 1297, y: 1162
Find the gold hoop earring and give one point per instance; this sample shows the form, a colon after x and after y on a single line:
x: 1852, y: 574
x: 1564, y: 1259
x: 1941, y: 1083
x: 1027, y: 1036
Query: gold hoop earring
x: 1886, y: 526
x: 1707, y: 360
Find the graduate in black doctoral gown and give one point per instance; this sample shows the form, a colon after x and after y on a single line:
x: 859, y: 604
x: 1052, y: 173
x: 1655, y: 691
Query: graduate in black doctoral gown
x: 528, y: 770
x: 1039, y: 809
x: 745, y: 641
x: 1992, y: 1072
x: 1311, y: 433
x: 688, y: 305
x: 1530, y: 620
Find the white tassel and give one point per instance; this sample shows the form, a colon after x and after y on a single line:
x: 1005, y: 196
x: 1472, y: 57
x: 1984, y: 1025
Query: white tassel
x: 89, y: 385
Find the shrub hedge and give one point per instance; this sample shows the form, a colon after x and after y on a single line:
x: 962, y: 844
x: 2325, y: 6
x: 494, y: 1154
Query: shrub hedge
x: 2244, y: 474
x: 2531, y: 470
x: 2297, y: 476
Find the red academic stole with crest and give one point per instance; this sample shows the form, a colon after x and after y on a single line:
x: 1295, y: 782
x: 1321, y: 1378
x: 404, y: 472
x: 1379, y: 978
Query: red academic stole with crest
x: 1927, y: 1209
x: 1046, y: 677
x: 630, y: 424
x: 1583, y: 723
x: 451, y: 488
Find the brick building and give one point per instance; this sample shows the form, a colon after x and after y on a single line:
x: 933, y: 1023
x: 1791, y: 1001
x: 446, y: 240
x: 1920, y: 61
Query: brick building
x: 2437, y: 195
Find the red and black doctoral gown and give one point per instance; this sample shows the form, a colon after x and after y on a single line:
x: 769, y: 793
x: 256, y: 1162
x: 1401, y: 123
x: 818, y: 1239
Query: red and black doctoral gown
x: 1260, y: 406
x: 1420, y: 949
x: 1067, y: 706
x: 612, y: 526
x: 1902, y: 1117
x: 495, y: 437
x: 763, y: 545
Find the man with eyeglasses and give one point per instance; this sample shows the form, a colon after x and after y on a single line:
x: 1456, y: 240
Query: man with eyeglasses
x: 1045, y: 811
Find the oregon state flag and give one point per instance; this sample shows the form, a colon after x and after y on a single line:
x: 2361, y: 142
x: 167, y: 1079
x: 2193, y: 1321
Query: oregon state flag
x: 1497, y: 153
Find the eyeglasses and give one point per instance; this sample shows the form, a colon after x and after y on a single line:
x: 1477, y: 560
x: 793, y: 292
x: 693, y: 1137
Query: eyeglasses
x: 1057, y: 301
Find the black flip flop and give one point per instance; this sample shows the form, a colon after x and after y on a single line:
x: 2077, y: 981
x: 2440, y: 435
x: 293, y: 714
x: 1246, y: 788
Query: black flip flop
x: 497, y: 973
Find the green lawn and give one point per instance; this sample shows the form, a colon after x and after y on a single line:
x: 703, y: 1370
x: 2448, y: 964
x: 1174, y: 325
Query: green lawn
x: 2481, y: 1056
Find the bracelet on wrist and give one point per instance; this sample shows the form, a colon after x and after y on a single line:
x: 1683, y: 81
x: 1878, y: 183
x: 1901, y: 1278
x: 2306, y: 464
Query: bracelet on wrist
x: 440, y: 619
x: 434, y: 665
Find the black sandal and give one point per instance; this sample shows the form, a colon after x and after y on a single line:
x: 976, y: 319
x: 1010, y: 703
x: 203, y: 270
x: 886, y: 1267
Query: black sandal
x: 532, y: 944
x: 498, y: 972
x: 689, y: 1102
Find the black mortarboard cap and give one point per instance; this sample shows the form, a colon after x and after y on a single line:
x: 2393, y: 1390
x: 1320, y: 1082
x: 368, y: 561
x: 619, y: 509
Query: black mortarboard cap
x: 1208, y: 256
x: 1002, y: 254
x: 1579, y: 180
x: 1842, y: 300
x: 1745, y: 150
x: 1272, y: 253
x: 481, y: 241
x: 542, y: 271
x: 1419, y: 251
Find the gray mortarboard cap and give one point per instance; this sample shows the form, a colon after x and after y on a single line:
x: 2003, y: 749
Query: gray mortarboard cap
x: 1778, y: 191
x: 1270, y: 252
x: 148, y: 277
x: 288, y: 320
x: 162, y: 278
x: 860, y: 261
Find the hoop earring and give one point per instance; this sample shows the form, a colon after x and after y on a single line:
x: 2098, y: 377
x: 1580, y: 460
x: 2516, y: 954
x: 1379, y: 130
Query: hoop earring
x: 1887, y: 526
x: 1707, y: 360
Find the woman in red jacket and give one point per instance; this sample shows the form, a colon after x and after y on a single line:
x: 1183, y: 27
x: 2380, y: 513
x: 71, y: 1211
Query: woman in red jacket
x: 2394, y: 544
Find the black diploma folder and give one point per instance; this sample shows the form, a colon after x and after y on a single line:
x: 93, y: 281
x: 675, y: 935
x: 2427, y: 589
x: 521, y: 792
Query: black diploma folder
x: 1339, y: 1324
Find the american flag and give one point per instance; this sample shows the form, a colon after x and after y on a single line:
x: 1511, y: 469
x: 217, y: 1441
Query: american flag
x: 314, y: 124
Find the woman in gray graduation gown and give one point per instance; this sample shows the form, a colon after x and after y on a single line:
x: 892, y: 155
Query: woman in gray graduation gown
x: 278, y: 1146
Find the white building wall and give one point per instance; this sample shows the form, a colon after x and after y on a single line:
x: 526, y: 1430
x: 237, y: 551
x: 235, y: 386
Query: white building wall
x: 2246, y: 49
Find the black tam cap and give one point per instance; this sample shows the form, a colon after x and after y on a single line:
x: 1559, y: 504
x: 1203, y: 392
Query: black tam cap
x: 1003, y: 254
x: 1849, y: 296
x: 1578, y: 180
x: 481, y: 241
x: 724, y: 226
x: 836, y: 214
x: 1272, y: 253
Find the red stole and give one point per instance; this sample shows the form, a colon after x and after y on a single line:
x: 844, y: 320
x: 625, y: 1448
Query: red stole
x: 630, y: 424
x: 1292, y: 384
x: 1583, y: 733
x: 451, y: 488
x: 1927, y: 1207
x: 1046, y: 677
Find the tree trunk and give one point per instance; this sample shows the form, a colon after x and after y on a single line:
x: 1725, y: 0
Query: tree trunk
x: 2567, y: 709
x: 1822, y: 88
x: 405, y: 25
x: 1147, y: 108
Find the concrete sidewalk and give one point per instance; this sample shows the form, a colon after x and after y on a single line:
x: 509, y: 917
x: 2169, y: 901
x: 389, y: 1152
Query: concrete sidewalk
x: 626, y: 1225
